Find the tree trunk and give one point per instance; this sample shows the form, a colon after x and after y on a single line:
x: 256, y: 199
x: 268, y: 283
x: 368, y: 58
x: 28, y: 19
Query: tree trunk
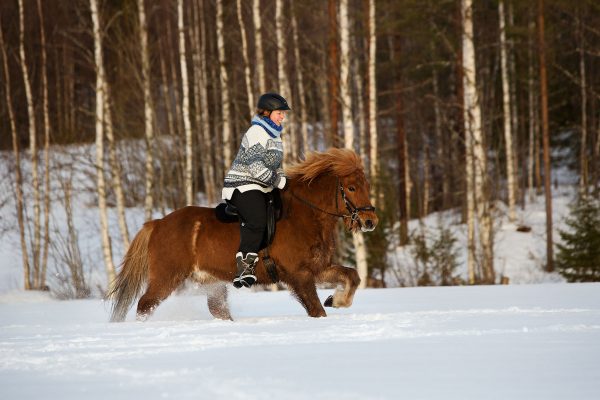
x: 545, y: 137
x: 532, y: 113
x: 583, y: 181
x: 284, y: 82
x: 401, y: 142
x: 260, y: 58
x: 333, y: 72
x: 346, y: 98
x: 511, y: 185
x: 44, y: 259
x: 300, y: 83
x: 224, y: 80
x: 439, y: 149
x: 18, y: 172
x: 115, y: 168
x: 187, y: 125
x: 207, y: 147
x: 101, y: 185
x: 34, y: 156
x: 476, y: 151
x: 247, y: 74
x: 148, y: 113
x: 372, y: 102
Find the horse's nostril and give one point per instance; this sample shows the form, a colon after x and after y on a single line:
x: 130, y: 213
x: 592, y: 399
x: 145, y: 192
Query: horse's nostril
x: 369, y: 223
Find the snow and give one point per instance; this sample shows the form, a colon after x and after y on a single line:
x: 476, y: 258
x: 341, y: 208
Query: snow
x: 494, y: 342
x: 525, y: 341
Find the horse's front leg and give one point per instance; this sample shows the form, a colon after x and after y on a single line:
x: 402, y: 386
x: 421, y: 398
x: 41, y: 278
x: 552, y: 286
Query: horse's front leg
x: 346, y: 279
x: 303, y: 287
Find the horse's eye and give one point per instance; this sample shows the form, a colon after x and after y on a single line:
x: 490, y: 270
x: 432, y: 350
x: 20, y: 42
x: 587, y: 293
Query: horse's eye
x: 351, y: 188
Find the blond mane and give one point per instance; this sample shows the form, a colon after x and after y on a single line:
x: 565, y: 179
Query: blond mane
x: 340, y: 162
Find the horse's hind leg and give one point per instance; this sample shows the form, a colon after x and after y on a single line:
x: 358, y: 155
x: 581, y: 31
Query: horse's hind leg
x: 158, y: 290
x: 304, y: 289
x: 346, y: 277
x: 217, y: 301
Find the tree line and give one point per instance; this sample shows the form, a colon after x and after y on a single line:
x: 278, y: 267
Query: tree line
x: 452, y: 104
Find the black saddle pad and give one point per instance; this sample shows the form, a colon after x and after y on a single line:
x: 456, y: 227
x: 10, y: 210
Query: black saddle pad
x: 227, y: 213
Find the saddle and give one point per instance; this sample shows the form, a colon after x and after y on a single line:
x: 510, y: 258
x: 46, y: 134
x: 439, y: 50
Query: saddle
x: 228, y: 213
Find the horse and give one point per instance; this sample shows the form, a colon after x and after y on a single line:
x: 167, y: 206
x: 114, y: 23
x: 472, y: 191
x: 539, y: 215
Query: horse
x: 191, y: 243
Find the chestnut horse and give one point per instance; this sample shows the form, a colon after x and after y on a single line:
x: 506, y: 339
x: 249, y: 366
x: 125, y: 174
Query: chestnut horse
x: 192, y: 243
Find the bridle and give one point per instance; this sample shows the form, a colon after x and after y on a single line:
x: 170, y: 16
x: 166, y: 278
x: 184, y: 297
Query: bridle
x: 352, y: 209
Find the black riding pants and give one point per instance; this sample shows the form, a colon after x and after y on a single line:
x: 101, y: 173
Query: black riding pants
x: 252, y: 208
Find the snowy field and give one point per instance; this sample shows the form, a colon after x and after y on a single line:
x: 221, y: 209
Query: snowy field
x: 496, y: 342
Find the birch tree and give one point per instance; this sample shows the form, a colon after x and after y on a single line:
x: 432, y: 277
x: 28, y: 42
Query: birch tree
x: 41, y: 279
x: 247, y: 74
x: 260, y: 59
x: 477, y: 202
x: 532, y: 114
x: 207, y: 148
x: 34, y: 154
x: 283, y: 79
x: 187, y: 125
x: 348, y: 118
x: 18, y: 172
x: 148, y: 113
x: 224, y: 80
x: 100, y: 107
x: 372, y: 101
x: 300, y: 83
x: 506, y: 105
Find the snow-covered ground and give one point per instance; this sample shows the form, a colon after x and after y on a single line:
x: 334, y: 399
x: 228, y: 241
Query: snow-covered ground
x: 496, y: 342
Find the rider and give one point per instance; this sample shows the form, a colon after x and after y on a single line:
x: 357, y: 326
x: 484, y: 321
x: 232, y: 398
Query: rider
x: 256, y: 170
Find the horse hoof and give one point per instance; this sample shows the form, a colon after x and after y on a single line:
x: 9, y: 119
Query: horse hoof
x: 329, y: 301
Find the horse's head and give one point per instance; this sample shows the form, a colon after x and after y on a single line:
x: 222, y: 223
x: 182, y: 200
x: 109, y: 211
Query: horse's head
x: 343, y: 185
x: 354, y: 199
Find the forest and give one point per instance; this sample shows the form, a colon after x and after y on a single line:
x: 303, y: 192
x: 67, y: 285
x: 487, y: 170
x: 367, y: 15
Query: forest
x: 451, y: 104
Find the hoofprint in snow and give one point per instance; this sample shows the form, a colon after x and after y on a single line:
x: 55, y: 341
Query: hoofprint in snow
x: 486, y: 342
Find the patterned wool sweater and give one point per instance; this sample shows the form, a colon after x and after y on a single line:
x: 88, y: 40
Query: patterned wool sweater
x: 258, y: 162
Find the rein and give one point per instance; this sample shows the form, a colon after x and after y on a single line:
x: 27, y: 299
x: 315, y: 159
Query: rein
x: 352, y: 209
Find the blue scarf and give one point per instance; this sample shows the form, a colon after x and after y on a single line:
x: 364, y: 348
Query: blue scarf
x: 268, y: 125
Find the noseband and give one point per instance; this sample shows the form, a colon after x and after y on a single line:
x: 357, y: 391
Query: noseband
x: 352, y: 209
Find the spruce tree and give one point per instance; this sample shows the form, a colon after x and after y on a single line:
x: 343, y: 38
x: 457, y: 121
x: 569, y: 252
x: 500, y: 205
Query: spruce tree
x: 578, y: 257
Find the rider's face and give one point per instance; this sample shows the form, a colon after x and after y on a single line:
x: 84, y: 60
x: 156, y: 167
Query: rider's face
x: 277, y: 116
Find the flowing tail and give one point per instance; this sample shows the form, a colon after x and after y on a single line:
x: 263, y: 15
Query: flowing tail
x: 130, y: 280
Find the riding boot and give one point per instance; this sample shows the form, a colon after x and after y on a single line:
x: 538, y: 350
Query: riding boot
x: 245, y: 269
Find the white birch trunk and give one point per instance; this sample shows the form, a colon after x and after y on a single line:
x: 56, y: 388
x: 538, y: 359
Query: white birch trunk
x: 471, y: 123
x: 506, y: 104
x: 348, y: 118
x: 117, y: 182
x: 300, y: 83
x: 101, y: 184
x: 224, y: 79
x: 247, y: 74
x: 44, y: 259
x: 474, y: 128
x: 148, y: 115
x: 345, y: 95
x: 372, y: 101
x: 18, y: 172
x: 260, y: 58
x: 187, y: 125
x: 284, y: 82
x: 209, y: 175
x: 34, y: 153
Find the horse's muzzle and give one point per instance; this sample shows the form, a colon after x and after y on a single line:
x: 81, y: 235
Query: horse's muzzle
x: 369, y: 223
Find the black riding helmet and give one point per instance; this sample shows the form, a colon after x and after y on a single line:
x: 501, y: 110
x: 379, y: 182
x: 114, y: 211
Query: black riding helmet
x: 272, y: 101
